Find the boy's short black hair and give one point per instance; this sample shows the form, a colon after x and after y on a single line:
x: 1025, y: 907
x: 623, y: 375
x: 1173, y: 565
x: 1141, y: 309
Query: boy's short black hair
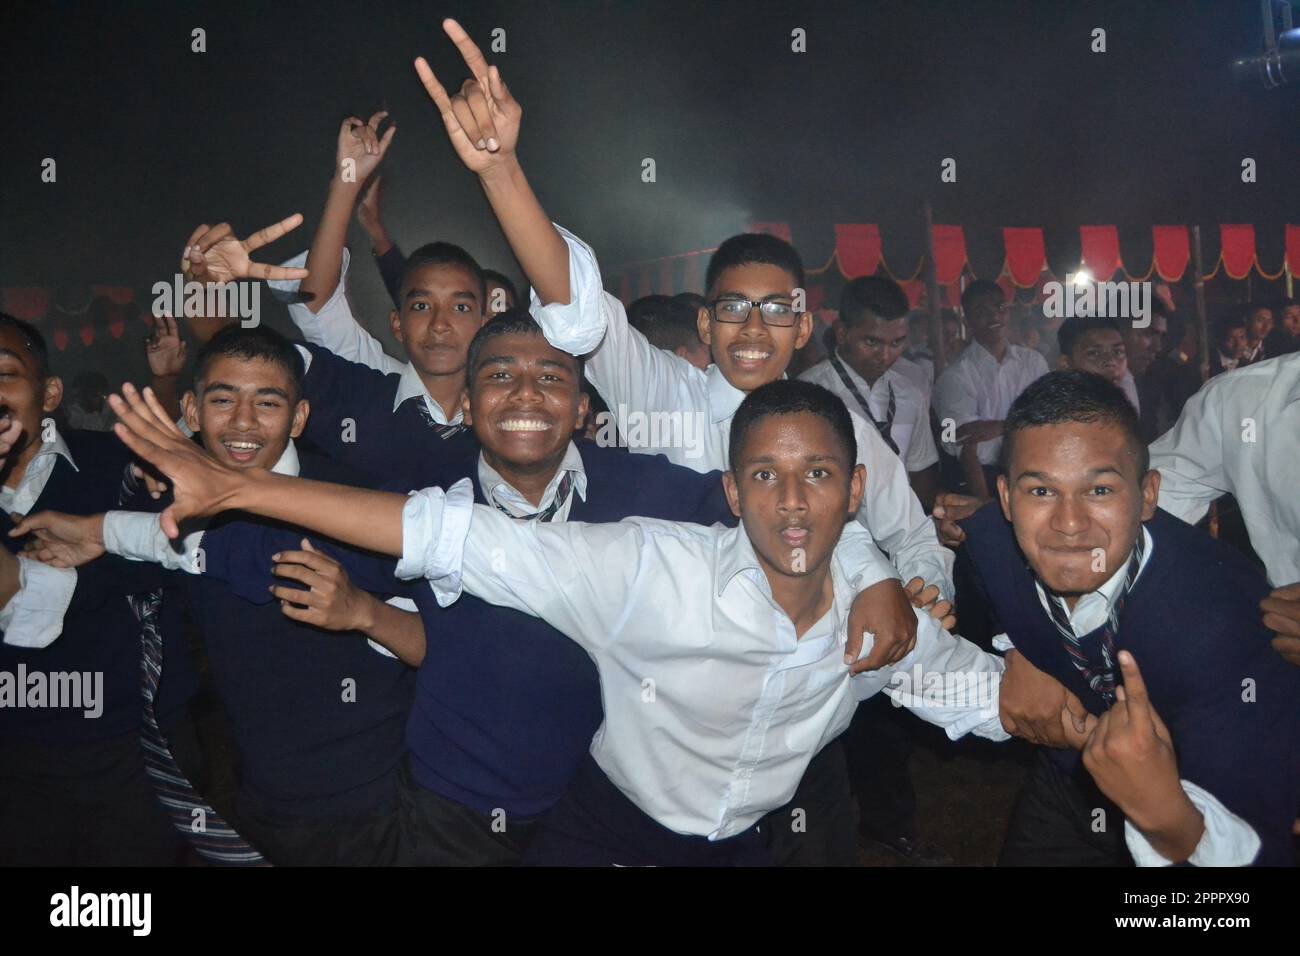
x: 668, y: 322
x: 980, y: 287
x: 259, y: 342
x: 516, y: 321
x: 1076, y: 327
x: 1236, y: 319
x: 1074, y: 395
x: 492, y: 277
x: 878, y: 296
x: 753, y: 248
x: 447, y: 254
x: 790, y: 397
x: 34, y: 341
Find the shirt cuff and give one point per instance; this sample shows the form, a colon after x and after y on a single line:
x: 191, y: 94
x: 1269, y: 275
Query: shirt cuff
x: 1228, y: 840
x: 401, y: 603
x: 33, y: 617
x: 288, y: 291
x: 137, y: 536
x: 435, y: 525
x: 1002, y: 643
x: 576, y: 326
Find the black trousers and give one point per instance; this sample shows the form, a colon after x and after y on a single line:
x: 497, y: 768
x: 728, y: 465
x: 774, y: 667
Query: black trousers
x: 1061, y: 821
x: 436, y: 831
x: 878, y: 746
x: 361, y: 838
x: 87, y: 804
x: 594, y: 824
x: 819, y: 826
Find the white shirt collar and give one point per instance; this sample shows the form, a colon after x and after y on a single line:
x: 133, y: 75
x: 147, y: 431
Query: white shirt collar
x: 724, y: 398
x: 410, y: 385
x: 736, y: 555
x: 886, y: 377
x: 498, y: 491
x: 288, y: 464
x: 37, y: 474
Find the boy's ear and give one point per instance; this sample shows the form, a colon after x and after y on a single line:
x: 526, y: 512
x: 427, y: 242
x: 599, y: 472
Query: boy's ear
x: 702, y: 325
x: 840, y: 334
x: 805, y: 331
x: 733, y: 493
x: 857, y: 485
x: 584, y: 406
x: 53, y: 396
x: 395, y: 324
x: 465, y: 409
x: 1150, y: 494
x: 1004, y: 496
x: 190, y: 409
x: 300, y: 413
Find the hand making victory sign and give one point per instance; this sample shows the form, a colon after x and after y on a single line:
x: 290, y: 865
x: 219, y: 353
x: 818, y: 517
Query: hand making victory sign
x: 213, y: 253
x: 482, y: 120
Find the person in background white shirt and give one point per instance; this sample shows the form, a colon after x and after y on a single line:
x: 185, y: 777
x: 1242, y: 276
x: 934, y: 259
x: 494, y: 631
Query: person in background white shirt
x: 1240, y: 435
x: 737, y: 634
x: 974, y: 393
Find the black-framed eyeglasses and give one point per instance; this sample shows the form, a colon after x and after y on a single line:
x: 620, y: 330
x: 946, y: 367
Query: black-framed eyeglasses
x: 736, y: 310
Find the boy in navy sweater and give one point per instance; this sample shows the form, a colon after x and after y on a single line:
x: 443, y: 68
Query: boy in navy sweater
x: 317, y: 719
x: 1179, y: 719
x: 73, y: 785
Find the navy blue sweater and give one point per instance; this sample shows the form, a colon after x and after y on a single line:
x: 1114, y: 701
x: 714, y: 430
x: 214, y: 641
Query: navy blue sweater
x: 304, y: 749
x: 505, y: 705
x: 100, y: 631
x: 352, y: 421
x: 1192, y: 622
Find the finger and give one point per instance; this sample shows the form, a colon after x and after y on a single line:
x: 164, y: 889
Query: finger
x: 914, y: 586
x: 136, y: 420
x: 465, y: 120
x: 260, y: 270
x: 460, y: 139
x: 941, y: 610
x: 269, y: 234
x: 1281, y: 615
x: 949, y: 622
x: 1135, y: 688
x: 878, y: 658
x: 927, y: 597
x: 1074, y: 707
x: 1074, y: 735
x: 318, y: 562
x: 901, y: 650
x: 476, y: 95
x: 469, y: 50
x: 387, y: 139
x: 306, y: 615
x: 169, y: 524
x: 169, y: 328
x: 298, y: 596
x: 164, y: 420
x: 376, y: 119
x: 297, y: 572
x: 194, y: 237
x: 1289, y: 592
x: 212, y: 237
x: 1288, y: 647
x: 369, y: 139
x: 497, y: 87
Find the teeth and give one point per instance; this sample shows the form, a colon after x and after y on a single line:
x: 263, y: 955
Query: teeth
x: 747, y: 354
x: 524, y: 425
x: 242, y: 445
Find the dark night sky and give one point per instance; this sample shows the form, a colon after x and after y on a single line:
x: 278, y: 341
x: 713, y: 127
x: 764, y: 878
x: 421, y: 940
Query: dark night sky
x: 151, y: 138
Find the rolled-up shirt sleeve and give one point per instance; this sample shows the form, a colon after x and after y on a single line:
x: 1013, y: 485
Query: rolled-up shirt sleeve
x: 435, y: 525
x: 33, y: 618
x: 576, y: 326
x: 333, y: 326
x: 137, y: 536
x: 1228, y: 840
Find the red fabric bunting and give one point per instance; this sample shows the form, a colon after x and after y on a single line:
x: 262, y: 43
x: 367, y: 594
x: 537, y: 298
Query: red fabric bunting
x: 1238, y: 245
x: 87, y: 333
x: 857, y: 244
x: 1172, y: 251
x: 60, y: 339
x: 117, y: 326
x: 1293, y: 249
x: 1026, y: 255
x: 625, y: 289
x: 779, y: 229
x: 1008, y: 286
x: 1100, y: 251
x: 666, y: 283
x: 28, y: 303
x: 949, y: 253
x: 915, y: 290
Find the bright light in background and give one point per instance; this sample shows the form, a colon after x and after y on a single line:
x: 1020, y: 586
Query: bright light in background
x: 1082, y: 277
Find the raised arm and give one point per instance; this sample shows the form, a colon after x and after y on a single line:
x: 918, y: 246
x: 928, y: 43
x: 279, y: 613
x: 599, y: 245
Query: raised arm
x: 1190, y: 457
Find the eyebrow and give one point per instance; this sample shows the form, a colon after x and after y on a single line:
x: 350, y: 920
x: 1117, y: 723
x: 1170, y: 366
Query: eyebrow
x: 226, y: 387
x: 745, y: 295
x: 514, y: 360
x: 10, y: 353
x: 1091, y: 473
x: 810, y: 460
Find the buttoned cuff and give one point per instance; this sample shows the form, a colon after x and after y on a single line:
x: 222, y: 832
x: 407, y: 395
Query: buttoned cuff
x: 33, y: 618
x: 576, y: 326
x: 1228, y: 840
x: 137, y: 536
x: 1002, y: 643
x: 435, y: 525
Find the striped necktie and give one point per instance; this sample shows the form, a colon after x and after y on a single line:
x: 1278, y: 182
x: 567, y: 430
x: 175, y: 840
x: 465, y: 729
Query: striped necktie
x: 549, y: 512
x: 217, y: 842
x: 884, y: 427
x: 1099, y: 676
x: 442, y: 431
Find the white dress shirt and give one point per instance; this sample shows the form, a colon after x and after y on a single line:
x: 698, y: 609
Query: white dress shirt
x: 1240, y: 435
x: 335, y: 328
x: 977, y: 387
x: 501, y: 493
x: 34, y: 615
x: 689, y: 415
x: 917, y: 374
x: 1128, y: 385
x: 1228, y: 839
x: 713, y: 706
x: 911, y: 428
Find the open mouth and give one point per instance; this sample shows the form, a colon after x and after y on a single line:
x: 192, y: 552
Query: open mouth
x: 795, y: 537
x: 750, y: 357
x: 524, y: 425
x: 242, y: 451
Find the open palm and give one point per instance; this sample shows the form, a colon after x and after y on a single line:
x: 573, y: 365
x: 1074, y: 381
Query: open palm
x: 215, y: 254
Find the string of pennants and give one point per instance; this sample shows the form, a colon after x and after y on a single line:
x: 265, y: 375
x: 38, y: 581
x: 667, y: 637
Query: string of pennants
x: 105, y: 312
x: 859, y: 251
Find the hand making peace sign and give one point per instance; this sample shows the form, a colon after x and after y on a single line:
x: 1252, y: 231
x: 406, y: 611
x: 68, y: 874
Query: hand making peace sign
x: 482, y: 120
x: 214, y: 254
